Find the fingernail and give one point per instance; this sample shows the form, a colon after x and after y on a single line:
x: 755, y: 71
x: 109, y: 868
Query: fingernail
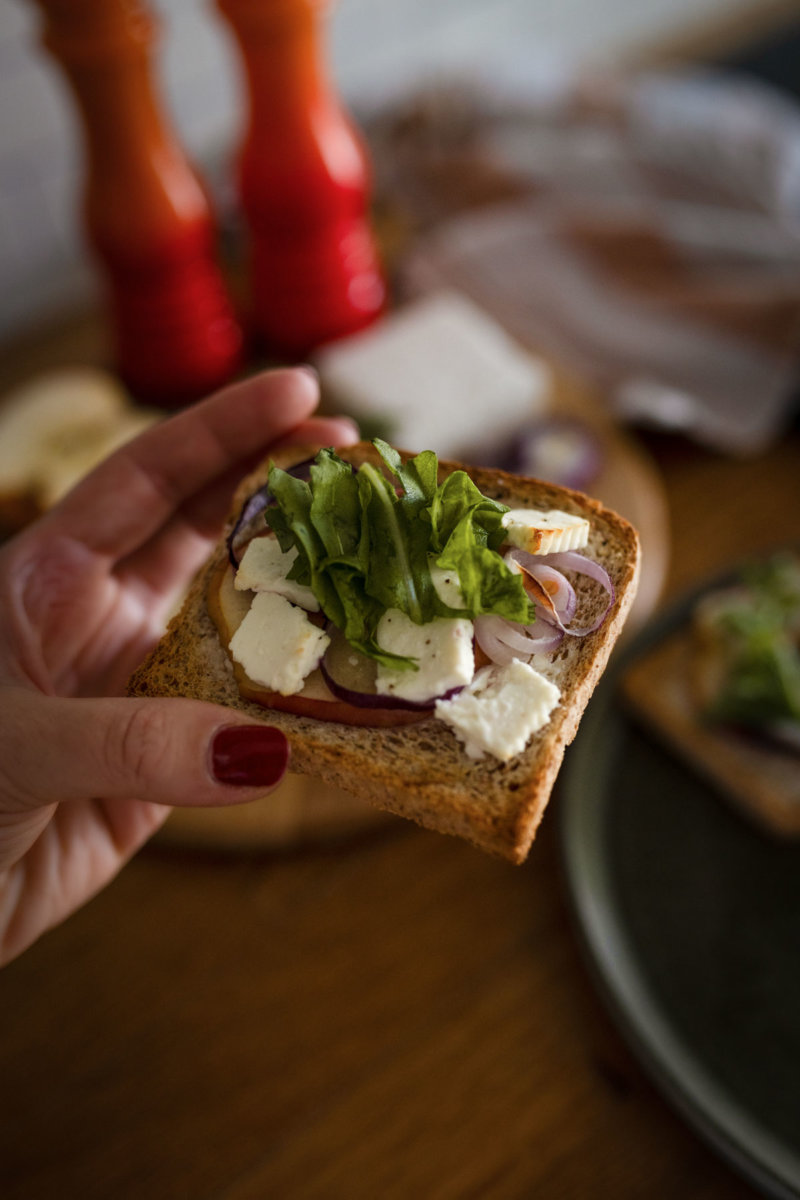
x: 309, y: 370
x: 351, y: 425
x: 249, y: 755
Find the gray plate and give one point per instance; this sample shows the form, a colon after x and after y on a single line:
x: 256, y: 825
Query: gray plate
x: 691, y: 920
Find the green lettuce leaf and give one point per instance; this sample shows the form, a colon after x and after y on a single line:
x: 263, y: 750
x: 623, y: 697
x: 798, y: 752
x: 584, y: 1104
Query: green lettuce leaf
x: 366, y: 542
x: 761, y: 625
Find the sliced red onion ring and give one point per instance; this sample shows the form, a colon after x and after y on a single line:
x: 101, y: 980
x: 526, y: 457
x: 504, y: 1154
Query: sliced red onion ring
x: 555, y: 591
x: 502, y: 640
x: 563, y: 450
x: 570, y: 560
x: 256, y: 503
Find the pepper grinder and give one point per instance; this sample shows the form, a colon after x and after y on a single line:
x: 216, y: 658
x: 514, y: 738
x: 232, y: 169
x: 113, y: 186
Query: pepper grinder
x: 145, y: 212
x: 303, y: 182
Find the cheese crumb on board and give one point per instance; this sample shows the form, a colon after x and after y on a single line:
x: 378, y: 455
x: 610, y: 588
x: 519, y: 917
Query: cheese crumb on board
x: 277, y: 645
x: 501, y: 710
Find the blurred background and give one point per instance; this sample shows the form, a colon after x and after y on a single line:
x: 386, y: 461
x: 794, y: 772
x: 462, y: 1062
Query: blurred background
x: 587, y: 215
x: 377, y: 47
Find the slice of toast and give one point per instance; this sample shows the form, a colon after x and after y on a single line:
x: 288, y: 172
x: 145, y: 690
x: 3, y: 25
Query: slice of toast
x: 421, y: 771
x: 762, y: 780
x: 53, y: 430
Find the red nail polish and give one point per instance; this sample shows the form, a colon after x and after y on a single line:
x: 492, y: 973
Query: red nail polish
x: 249, y: 755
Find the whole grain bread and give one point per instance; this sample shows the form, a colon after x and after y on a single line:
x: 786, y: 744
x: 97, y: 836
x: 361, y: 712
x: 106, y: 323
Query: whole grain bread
x: 420, y: 771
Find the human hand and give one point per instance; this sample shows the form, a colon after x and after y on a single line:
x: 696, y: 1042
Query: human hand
x: 87, y: 775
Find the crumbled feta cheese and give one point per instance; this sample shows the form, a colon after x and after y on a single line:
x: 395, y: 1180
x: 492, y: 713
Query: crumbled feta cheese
x: 264, y: 568
x: 545, y: 532
x: 447, y: 586
x: 501, y: 710
x: 277, y: 644
x: 443, y: 648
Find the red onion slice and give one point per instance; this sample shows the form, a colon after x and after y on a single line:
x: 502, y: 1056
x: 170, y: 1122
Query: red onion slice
x: 502, y: 640
x: 571, y: 561
x: 257, y: 503
x: 563, y: 450
x: 554, y: 590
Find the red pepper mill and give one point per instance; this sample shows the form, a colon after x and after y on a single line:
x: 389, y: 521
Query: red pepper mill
x: 145, y: 211
x: 303, y: 181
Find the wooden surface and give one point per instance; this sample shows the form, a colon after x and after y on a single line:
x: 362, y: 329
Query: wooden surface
x: 392, y: 1016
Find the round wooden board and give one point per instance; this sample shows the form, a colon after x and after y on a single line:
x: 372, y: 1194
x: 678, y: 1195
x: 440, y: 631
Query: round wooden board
x: 628, y: 482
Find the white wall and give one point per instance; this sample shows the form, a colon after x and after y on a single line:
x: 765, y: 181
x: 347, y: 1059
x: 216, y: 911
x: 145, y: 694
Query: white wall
x: 375, y: 45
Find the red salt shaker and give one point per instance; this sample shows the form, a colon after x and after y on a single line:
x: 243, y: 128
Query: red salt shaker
x: 304, y: 184
x: 146, y: 214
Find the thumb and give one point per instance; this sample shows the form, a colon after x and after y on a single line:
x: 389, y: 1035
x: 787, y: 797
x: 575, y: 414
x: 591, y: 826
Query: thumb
x: 173, y: 752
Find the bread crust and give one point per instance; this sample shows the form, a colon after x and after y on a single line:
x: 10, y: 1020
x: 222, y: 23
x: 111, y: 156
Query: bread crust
x: 418, y: 771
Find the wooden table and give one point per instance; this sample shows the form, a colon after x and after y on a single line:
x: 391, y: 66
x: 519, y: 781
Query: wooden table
x: 394, y: 1016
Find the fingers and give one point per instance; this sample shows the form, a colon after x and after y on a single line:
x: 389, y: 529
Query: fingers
x: 169, y: 559
x: 323, y: 431
x: 127, y: 499
x: 172, y: 752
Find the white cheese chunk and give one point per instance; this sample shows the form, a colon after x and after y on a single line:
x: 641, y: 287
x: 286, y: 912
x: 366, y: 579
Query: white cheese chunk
x: 440, y: 373
x: 277, y: 644
x: 545, y: 532
x: 264, y: 567
x: 501, y: 710
x: 443, y: 648
x: 447, y: 586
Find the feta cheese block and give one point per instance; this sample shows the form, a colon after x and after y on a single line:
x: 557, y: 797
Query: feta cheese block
x: 545, y: 532
x: 439, y: 374
x: 501, y: 710
x: 447, y: 586
x: 264, y: 568
x: 277, y: 645
x: 443, y: 648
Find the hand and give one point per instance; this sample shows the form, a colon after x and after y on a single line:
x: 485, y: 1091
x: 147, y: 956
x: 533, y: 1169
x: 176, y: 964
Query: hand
x: 85, y: 780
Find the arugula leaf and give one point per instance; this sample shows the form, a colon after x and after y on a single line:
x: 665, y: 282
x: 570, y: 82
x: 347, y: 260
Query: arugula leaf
x: 365, y: 545
x: 325, y: 520
x: 762, y: 679
x: 419, y: 476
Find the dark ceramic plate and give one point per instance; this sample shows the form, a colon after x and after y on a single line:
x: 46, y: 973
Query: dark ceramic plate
x: 691, y: 920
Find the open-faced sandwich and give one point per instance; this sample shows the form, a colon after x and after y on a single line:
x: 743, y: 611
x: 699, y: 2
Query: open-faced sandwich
x: 427, y: 638
x: 724, y: 690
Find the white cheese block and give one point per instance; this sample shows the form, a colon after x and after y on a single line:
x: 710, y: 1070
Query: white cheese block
x: 277, y: 644
x: 545, y: 532
x: 501, y: 710
x: 443, y: 648
x: 447, y: 586
x: 264, y: 567
x: 438, y: 374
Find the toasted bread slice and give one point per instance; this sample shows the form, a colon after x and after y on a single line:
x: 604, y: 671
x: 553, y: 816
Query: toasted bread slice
x: 53, y: 430
x: 421, y: 771
x: 762, y: 780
